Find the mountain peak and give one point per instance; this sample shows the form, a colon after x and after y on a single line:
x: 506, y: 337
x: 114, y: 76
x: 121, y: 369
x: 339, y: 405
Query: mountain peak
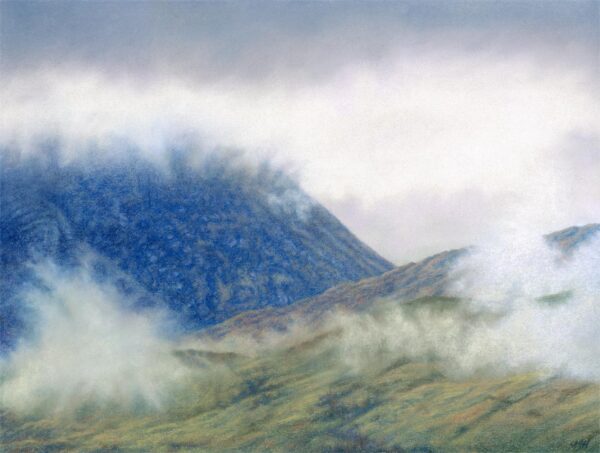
x: 206, y: 242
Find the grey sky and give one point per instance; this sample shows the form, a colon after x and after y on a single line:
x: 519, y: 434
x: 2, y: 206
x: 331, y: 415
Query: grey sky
x: 253, y: 39
x: 422, y: 125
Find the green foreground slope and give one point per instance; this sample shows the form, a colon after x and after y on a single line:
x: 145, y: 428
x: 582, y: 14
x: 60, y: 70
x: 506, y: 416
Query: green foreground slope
x: 305, y: 397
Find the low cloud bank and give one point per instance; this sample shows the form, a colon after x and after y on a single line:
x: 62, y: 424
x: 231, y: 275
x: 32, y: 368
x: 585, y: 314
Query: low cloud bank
x: 484, y: 134
x: 516, y: 305
x: 520, y: 306
x: 84, y: 347
x: 549, y: 304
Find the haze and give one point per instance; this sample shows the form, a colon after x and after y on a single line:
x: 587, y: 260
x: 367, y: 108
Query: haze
x: 422, y: 126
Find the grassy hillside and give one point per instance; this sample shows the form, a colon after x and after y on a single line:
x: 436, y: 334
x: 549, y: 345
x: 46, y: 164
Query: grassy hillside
x: 303, y: 395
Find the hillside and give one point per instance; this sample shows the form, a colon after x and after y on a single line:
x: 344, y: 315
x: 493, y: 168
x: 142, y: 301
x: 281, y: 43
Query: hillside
x: 429, y: 277
x: 206, y: 241
x: 401, y: 368
x: 304, y: 396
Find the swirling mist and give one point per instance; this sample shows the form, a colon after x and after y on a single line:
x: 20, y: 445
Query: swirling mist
x: 84, y: 346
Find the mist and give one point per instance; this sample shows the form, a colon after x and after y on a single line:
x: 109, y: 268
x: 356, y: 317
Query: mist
x: 417, y: 153
x: 515, y: 305
x: 84, y: 346
x: 518, y: 305
x: 422, y: 127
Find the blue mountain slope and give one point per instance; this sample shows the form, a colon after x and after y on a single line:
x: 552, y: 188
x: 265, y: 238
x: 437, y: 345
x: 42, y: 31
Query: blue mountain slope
x: 208, y: 242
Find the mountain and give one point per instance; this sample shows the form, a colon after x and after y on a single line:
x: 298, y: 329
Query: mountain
x: 208, y: 241
x: 570, y: 238
x: 368, y: 384
x: 411, y: 281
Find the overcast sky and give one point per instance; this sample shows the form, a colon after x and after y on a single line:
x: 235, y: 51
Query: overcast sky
x: 422, y: 125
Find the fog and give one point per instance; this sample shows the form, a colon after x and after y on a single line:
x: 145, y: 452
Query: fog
x: 421, y: 128
x: 518, y: 305
x: 84, y: 346
x: 523, y: 307
x: 421, y: 125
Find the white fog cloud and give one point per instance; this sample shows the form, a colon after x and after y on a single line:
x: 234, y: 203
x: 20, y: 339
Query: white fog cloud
x: 83, y: 346
x: 414, y: 124
x: 504, y: 325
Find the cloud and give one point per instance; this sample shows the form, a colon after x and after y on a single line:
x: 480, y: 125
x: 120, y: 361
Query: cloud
x: 579, y: 163
x: 403, y: 107
x: 422, y: 125
x: 299, y: 40
x: 518, y: 305
x: 425, y: 222
x: 82, y: 346
x: 523, y: 308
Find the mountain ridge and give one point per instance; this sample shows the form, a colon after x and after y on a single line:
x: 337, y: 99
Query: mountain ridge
x: 208, y: 242
x: 414, y: 280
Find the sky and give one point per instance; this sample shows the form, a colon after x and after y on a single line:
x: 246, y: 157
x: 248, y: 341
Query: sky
x: 423, y: 126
